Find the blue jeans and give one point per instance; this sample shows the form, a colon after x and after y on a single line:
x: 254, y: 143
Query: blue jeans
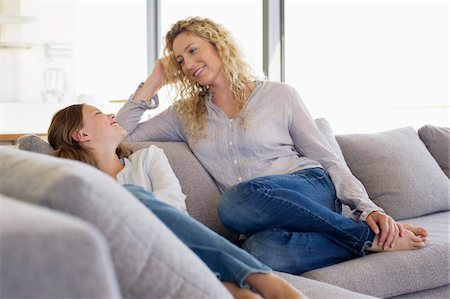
x: 226, y: 260
x: 294, y: 221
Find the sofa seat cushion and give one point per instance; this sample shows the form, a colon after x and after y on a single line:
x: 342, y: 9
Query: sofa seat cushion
x: 390, y: 274
x: 317, y: 289
x: 437, y: 224
x: 398, y: 172
x: 150, y: 262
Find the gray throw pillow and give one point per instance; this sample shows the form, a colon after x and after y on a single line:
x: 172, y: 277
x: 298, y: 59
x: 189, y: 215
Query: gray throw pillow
x: 35, y: 144
x: 398, y: 172
x: 150, y: 262
x: 437, y: 141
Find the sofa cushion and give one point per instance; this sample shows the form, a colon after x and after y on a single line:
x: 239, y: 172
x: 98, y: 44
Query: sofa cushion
x: 388, y: 274
x: 398, y: 172
x: 77, y: 264
x: 437, y: 224
x: 437, y: 141
x: 202, y: 197
x: 150, y: 262
x: 35, y: 144
x: 317, y: 289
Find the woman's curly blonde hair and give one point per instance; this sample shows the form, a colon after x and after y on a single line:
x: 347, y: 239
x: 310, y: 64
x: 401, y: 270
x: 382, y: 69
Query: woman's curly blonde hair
x: 191, y: 107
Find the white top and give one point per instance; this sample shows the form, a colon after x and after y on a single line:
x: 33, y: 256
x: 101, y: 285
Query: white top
x: 279, y: 137
x: 150, y: 169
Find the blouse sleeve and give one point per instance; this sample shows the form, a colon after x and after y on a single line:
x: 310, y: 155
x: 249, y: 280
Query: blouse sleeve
x: 165, y: 185
x: 162, y: 127
x: 309, y: 142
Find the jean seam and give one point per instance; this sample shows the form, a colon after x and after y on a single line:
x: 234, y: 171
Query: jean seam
x: 313, y: 179
x: 354, y: 240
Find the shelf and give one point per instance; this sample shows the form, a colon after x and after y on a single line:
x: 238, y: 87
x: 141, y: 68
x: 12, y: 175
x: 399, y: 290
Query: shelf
x: 7, y: 45
x: 15, y: 19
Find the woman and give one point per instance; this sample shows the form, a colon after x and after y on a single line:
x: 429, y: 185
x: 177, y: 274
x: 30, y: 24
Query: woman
x: 282, y: 185
x: 82, y: 132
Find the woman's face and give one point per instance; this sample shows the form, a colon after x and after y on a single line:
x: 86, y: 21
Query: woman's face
x: 100, y: 127
x: 197, y: 58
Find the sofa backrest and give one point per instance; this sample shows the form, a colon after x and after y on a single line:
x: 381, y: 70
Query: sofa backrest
x: 202, y: 194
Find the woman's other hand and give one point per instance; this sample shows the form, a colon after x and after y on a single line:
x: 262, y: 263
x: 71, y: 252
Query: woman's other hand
x: 386, y: 226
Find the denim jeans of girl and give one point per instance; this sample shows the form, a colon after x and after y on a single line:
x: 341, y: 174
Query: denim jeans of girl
x: 229, y: 262
x: 294, y: 221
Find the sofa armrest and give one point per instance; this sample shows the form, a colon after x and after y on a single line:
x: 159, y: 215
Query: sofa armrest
x: 48, y: 254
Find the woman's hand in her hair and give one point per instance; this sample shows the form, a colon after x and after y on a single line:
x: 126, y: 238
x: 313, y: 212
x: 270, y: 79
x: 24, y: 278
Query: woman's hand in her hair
x: 153, y: 83
x: 156, y: 78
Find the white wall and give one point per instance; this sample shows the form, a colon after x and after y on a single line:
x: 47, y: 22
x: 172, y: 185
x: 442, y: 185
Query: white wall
x: 97, y: 48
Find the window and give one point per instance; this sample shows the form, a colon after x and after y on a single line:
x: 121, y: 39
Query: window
x: 243, y: 18
x: 369, y: 66
x: 55, y: 53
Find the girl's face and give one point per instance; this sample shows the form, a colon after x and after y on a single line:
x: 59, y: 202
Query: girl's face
x: 197, y: 58
x: 100, y: 128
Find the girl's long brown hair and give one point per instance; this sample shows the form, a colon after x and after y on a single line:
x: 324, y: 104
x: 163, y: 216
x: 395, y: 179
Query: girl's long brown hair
x: 64, y: 123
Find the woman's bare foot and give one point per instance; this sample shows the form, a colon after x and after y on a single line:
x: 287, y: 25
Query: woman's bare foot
x: 409, y: 241
x: 272, y: 286
x: 417, y: 230
x: 240, y: 293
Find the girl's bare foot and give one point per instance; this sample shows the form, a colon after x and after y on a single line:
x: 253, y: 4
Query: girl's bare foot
x: 272, y: 286
x: 417, y: 230
x: 409, y: 241
x: 240, y: 293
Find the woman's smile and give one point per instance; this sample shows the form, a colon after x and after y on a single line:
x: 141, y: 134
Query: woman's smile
x: 199, y: 71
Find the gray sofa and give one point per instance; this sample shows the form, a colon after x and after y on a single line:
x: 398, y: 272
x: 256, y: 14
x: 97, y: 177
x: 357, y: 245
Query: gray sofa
x: 133, y: 255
